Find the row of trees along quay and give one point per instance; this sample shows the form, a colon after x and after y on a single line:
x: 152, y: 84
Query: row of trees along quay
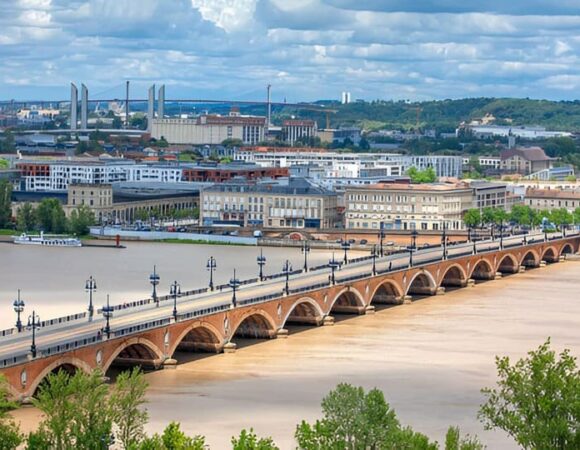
x: 535, y: 401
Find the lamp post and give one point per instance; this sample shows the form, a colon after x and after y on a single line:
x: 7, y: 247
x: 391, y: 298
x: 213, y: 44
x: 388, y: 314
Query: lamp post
x: 414, y: 235
x: 234, y: 284
x: 175, y: 291
x: 345, y: 246
x: 154, y: 280
x: 469, y: 233
x: 211, y: 266
x: 107, y: 312
x: 444, y: 241
x: 501, y: 235
x: 18, y: 308
x: 305, y: 250
x: 374, y: 256
x: 287, y: 270
x: 90, y: 287
x: 333, y: 264
x: 261, y: 260
x: 381, y: 239
x: 33, y: 324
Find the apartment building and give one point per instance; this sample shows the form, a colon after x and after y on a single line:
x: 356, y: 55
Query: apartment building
x: 525, y: 160
x: 407, y: 206
x: 488, y: 194
x: 294, y: 130
x: 552, y: 199
x: 295, y: 203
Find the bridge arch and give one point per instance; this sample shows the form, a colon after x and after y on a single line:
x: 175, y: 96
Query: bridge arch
x: 508, y: 264
x: 550, y: 255
x: 566, y: 249
x: 255, y: 324
x: 482, y: 270
x: 454, y: 276
x: 387, y: 291
x: 304, y: 310
x: 530, y: 259
x: 347, y: 301
x: 199, y: 337
x: 422, y: 283
x: 136, y: 351
x: 67, y: 363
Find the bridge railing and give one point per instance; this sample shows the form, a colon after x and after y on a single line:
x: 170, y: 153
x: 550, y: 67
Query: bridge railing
x: 65, y: 347
x: 8, y: 332
x: 64, y: 319
x: 203, y: 312
x: 141, y: 327
x: 14, y: 360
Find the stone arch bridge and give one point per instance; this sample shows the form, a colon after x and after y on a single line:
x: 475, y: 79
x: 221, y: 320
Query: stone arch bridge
x: 156, y: 343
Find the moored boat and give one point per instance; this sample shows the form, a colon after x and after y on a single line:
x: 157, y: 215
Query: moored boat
x: 47, y: 240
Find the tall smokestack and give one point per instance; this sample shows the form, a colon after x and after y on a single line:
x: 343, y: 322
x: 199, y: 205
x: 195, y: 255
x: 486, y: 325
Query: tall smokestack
x: 127, y: 105
x: 269, y: 122
x: 74, y: 100
x: 161, y: 102
x: 84, y: 107
x: 150, y: 108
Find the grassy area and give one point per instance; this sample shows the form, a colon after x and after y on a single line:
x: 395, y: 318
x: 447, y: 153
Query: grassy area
x: 4, y: 232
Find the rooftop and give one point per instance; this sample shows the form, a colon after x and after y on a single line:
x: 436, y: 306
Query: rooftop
x: 529, y: 153
x: 553, y: 193
x: 293, y: 186
x: 425, y: 187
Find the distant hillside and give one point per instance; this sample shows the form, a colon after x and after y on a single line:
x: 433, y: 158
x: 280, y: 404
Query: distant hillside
x: 445, y: 115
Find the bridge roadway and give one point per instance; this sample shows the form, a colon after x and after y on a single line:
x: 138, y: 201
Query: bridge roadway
x: 207, y: 321
x: 19, y: 344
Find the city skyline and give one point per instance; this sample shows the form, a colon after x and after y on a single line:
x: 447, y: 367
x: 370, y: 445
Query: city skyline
x: 308, y: 50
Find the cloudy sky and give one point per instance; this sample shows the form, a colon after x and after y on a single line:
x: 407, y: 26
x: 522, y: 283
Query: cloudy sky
x: 307, y: 49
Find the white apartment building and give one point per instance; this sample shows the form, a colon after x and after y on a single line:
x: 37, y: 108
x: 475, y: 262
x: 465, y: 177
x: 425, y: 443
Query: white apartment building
x: 163, y: 174
x: 407, y: 206
x: 487, y: 162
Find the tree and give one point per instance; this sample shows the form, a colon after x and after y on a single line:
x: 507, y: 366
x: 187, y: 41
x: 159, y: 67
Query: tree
x: 25, y: 217
x: 488, y: 215
x: 10, y: 436
x: 50, y: 216
x: 523, y: 215
x: 249, y: 441
x: 127, y: 399
x: 232, y: 142
x: 353, y: 420
x: 454, y: 441
x: 81, y: 218
x: 175, y: 439
x: 5, y: 203
x: 422, y: 176
x: 76, y: 411
x: 536, y: 400
x: 472, y: 217
x: 7, y: 144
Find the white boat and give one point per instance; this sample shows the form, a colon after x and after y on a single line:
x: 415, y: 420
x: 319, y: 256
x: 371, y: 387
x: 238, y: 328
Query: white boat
x: 50, y: 241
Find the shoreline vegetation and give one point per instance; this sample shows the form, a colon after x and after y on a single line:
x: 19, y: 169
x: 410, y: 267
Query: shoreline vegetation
x: 535, y: 401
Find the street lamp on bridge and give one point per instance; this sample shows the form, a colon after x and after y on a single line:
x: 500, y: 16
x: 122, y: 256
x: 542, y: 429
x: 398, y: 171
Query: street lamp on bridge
x: 305, y: 250
x: 413, y: 246
x: 154, y: 280
x: 33, y: 324
x: 90, y: 287
x: 374, y: 256
x: 381, y: 239
x: 287, y: 270
x: 234, y: 284
x: 211, y: 266
x: 444, y: 241
x: 18, y: 308
x: 501, y: 235
x: 261, y: 260
x: 107, y: 312
x: 333, y: 264
x: 345, y: 246
x: 175, y: 291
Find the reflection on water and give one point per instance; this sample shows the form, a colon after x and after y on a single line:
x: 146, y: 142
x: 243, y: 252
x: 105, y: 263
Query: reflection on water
x: 430, y: 358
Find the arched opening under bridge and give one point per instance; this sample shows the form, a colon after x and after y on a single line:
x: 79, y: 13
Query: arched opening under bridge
x: 530, y: 260
x: 253, y: 327
x: 508, y: 265
x: 387, y: 294
x: 482, y: 271
x: 454, y: 278
x: 422, y: 285
x: 550, y: 255
x: 348, y: 301
x: 567, y: 249
x: 195, y: 343
x: 70, y: 366
x: 134, y: 353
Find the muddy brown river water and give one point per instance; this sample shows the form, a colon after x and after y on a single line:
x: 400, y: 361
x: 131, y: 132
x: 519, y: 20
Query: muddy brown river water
x: 431, y: 358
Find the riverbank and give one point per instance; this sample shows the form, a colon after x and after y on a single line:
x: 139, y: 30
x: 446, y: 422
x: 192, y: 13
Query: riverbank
x: 431, y: 358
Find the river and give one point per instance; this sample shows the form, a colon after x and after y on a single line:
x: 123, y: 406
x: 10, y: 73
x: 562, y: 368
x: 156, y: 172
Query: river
x: 431, y: 358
